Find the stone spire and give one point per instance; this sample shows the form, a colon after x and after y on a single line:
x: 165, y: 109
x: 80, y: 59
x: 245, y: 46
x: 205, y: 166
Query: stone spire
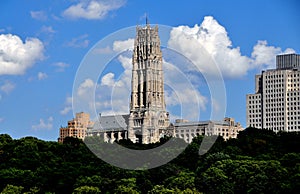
x: 147, y: 107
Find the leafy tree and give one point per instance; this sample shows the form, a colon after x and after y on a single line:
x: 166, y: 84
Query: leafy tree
x: 126, y: 186
x: 5, y: 139
x: 87, y: 190
x: 160, y: 189
x: 210, y: 159
x: 88, y: 181
x: 294, y: 185
x: 290, y: 159
x: 214, y: 180
x: 143, y: 181
x: 122, y: 189
x: 14, y: 176
x: 189, y: 158
x: 259, y: 161
x: 11, y: 189
x: 189, y: 191
x: 33, y: 190
x: 182, y: 181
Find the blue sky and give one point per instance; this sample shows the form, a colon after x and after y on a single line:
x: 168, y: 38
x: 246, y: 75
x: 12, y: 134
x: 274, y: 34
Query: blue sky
x: 43, y: 43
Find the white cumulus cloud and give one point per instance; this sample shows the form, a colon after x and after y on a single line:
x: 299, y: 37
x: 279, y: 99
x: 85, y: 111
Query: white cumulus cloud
x: 113, y: 92
x: 66, y: 110
x: 181, y: 92
x: 43, y: 124
x: 83, y: 97
x: 48, y: 30
x: 79, y: 42
x: 39, y: 15
x: 92, y: 9
x: 42, y: 76
x: 86, y: 87
x: 108, y: 79
x: 105, y: 50
x: 61, y: 66
x: 68, y: 106
x: 211, y: 40
x: 264, y: 55
x: 7, y: 87
x: 17, y: 56
x: 122, y: 45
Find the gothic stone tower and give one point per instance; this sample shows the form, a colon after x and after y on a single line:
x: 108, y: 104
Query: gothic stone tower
x: 148, y: 116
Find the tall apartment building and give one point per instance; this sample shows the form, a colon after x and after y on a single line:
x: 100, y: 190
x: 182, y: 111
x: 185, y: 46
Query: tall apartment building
x: 77, y: 127
x: 276, y: 102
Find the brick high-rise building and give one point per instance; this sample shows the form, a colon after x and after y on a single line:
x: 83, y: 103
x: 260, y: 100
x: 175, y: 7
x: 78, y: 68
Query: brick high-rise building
x: 76, y: 127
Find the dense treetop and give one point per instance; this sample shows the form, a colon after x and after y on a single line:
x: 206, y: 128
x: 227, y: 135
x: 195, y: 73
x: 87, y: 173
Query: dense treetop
x: 258, y: 161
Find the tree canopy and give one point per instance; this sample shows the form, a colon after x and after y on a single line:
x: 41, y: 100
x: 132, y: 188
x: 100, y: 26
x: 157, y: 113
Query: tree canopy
x: 258, y: 161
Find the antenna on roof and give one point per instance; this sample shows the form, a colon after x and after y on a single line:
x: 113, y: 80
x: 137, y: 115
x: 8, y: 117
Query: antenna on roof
x: 147, y: 22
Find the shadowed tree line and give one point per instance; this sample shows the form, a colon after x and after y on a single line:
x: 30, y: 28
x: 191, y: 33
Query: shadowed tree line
x: 258, y: 161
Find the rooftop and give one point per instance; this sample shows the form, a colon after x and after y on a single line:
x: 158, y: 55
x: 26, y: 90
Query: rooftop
x: 111, y: 123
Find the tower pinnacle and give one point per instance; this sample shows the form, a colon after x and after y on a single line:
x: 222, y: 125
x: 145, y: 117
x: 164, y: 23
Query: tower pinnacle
x: 147, y: 22
x: 148, y: 114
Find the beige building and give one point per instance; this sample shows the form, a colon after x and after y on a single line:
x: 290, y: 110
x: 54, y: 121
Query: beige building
x: 187, y: 130
x: 77, y: 127
x: 148, y: 115
x: 276, y: 102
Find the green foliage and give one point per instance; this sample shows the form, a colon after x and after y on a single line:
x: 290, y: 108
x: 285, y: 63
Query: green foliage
x: 160, y: 189
x: 126, y: 186
x: 259, y: 161
x: 191, y: 152
x: 215, y: 180
x: 33, y: 190
x: 182, y: 181
x: 290, y: 160
x: 125, y: 190
x: 5, y: 139
x: 87, y: 190
x: 11, y: 189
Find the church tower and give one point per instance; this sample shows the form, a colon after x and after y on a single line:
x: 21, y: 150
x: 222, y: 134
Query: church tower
x: 148, y: 116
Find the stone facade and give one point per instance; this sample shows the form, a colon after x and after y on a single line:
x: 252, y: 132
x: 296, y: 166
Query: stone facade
x: 110, y: 128
x: 276, y: 102
x: 77, y: 127
x: 148, y: 114
x: 187, y: 130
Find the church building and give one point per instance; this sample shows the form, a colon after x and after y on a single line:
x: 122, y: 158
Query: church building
x: 148, y: 119
x: 148, y: 115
